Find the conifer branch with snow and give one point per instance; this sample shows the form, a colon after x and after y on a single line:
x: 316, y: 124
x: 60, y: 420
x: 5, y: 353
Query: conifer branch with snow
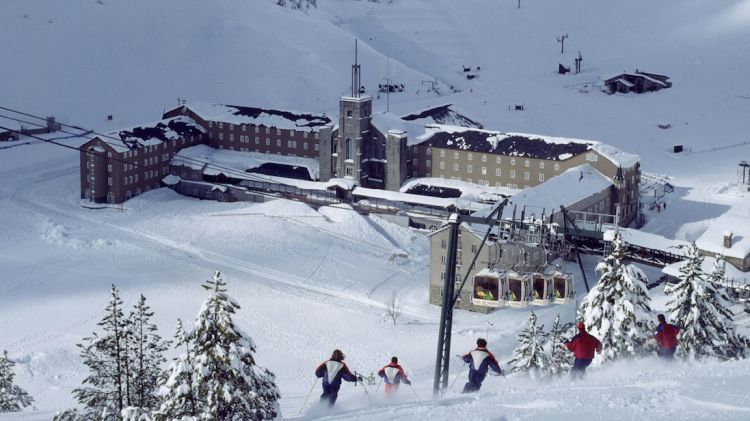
x: 560, y: 359
x: 12, y: 397
x: 617, y: 310
x: 529, y: 356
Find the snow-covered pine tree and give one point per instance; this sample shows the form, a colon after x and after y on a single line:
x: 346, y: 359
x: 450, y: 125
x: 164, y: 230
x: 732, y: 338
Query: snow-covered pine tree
x: 617, y: 310
x: 146, y: 349
x: 104, y: 390
x: 178, y: 399
x: 705, y: 321
x: 12, y: 397
x: 229, y: 384
x: 560, y: 359
x: 530, y: 356
x: 718, y: 277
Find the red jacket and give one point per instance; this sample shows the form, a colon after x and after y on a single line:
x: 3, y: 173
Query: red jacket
x: 583, y: 346
x: 666, y: 335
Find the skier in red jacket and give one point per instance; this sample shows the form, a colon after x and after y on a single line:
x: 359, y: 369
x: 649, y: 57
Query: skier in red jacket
x: 666, y: 337
x: 393, y: 375
x: 582, y: 346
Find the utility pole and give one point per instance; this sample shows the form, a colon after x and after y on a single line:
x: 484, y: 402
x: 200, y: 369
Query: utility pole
x: 450, y: 295
x: 578, y: 61
x: 561, y: 39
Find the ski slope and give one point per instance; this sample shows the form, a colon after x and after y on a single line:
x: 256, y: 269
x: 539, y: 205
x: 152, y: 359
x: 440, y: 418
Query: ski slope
x: 313, y: 280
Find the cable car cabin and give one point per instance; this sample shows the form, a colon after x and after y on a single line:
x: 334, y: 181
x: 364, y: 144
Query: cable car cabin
x: 489, y: 288
x: 519, y: 290
x: 541, y: 289
x: 562, y: 284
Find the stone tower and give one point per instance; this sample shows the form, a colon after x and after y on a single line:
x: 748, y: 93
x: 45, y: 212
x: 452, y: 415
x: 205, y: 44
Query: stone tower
x: 355, y: 112
x: 395, y: 155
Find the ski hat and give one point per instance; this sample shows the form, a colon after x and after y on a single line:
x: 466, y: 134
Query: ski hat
x: 581, y: 326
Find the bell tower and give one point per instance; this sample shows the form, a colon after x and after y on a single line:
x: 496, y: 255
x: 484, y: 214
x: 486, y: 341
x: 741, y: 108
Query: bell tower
x: 355, y: 112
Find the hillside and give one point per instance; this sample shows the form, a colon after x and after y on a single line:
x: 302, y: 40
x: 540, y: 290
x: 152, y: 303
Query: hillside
x: 310, y: 279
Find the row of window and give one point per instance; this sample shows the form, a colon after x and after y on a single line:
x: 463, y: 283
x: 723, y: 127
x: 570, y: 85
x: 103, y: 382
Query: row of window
x: 498, y: 159
x: 153, y: 148
x: 256, y: 129
x: 485, y: 183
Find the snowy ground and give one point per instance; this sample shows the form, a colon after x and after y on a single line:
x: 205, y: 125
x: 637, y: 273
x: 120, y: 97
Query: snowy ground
x: 312, y: 280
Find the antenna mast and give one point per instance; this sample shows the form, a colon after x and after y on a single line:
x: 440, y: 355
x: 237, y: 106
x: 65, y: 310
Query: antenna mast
x: 355, y: 73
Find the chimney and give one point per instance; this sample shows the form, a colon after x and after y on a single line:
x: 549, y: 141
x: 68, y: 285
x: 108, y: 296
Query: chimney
x: 728, y: 239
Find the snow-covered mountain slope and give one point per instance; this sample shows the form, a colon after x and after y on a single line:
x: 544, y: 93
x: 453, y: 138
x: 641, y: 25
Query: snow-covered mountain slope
x: 311, y: 280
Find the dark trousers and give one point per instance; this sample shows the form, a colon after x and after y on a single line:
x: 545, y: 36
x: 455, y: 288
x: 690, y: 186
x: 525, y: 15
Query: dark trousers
x: 666, y: 353
x: 330, y: 394
x: 579, y: 367
x: 475, y: 381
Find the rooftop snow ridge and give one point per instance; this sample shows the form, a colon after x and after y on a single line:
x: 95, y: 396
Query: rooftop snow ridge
x: 236, y: 114
x: 156, y: 133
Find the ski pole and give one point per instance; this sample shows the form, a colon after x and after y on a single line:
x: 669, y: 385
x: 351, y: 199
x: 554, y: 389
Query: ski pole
x: 457, y: 376
x: 308, y: 396
x: 378, y: 388
x: 363, y: 387
x: 415, y: 392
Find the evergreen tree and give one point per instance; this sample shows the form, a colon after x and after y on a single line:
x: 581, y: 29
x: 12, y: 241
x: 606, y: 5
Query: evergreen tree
x: 560, y: 359
x: 617, y: 310
x: 530, y: 355
x: 178, y: 398
x: 701, y: 311
x: 146, y: 349
x: 228, y: 382
x: 104, y: 390
x: 12, y: 397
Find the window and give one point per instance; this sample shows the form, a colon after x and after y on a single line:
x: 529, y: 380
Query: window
x: 469, y: 169
x: 591, y: 157
x: 455, y: 167
x: 304, y: 146
x: 231, y: 137
x: 348, y: 113
x: 470, y: 157
x: 429, y: 163
x: 541, y: 165
x: 526, y: 163
x: 512, y: 173
x: 484, y: 170
x: 513, y: 161
x: 316, y: 147
x: 442, y: 165
x: 498, y: 172
x: 442, y: 154
x: 278, y: 132
x: 557, y: 167
x: 526, y: 175
x: 416, y: 161
x: 497, y: 160
x: 442, y: 259
x: 455, y: 155
x: 268, y: 130
x: 221, y: 136
x: 541, y: 178
x: 109, y: 181
x: 278, y: 142
x: 109, y: 167
x: 468, y: 180
x: 349, y: 150
x: 231, y: 127
x: 429, y: 151
x: 288, y: 143
x: 484, y: 158
x: 473, y: 248
x: 221, y: 125
x: 257, y: 140
x: 348, y: 170
x: 268, y: 142
x: 304, y: 135
x: 244, y: 128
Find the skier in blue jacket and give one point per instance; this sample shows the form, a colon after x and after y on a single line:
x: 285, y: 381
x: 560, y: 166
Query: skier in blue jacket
x: 480, y: 361
x: 332, y: 372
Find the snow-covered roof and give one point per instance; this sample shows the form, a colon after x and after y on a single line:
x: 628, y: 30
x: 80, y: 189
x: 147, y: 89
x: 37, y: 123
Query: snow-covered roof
x: 170, y: 180
x: 238, y: 162
x: 235, y: 114
x: 520, y: 144
x: 395, y: 196
x: 712, y: 239
x: 647, y: 240
x: 469, y: 191
x: 442, y: 114
x: 154, y: 134
x: 385, y: 122
x: 709, y: 263
x: 566, y: 189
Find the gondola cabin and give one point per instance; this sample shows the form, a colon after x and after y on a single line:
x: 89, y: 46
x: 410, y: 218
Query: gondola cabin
x: 541, y: 289
x: 519, y: 290
x: 489, y: 288
x: 562, y: 284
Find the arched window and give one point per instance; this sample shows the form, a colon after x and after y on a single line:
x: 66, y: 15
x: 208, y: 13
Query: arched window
x: 349, y: 149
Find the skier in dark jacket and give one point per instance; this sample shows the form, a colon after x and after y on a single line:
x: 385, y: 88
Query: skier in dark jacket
x: 583, y: 347
x: 666, y: 337
x: 393, y: 375
x: 480, y: 361
x: 332, y: 372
